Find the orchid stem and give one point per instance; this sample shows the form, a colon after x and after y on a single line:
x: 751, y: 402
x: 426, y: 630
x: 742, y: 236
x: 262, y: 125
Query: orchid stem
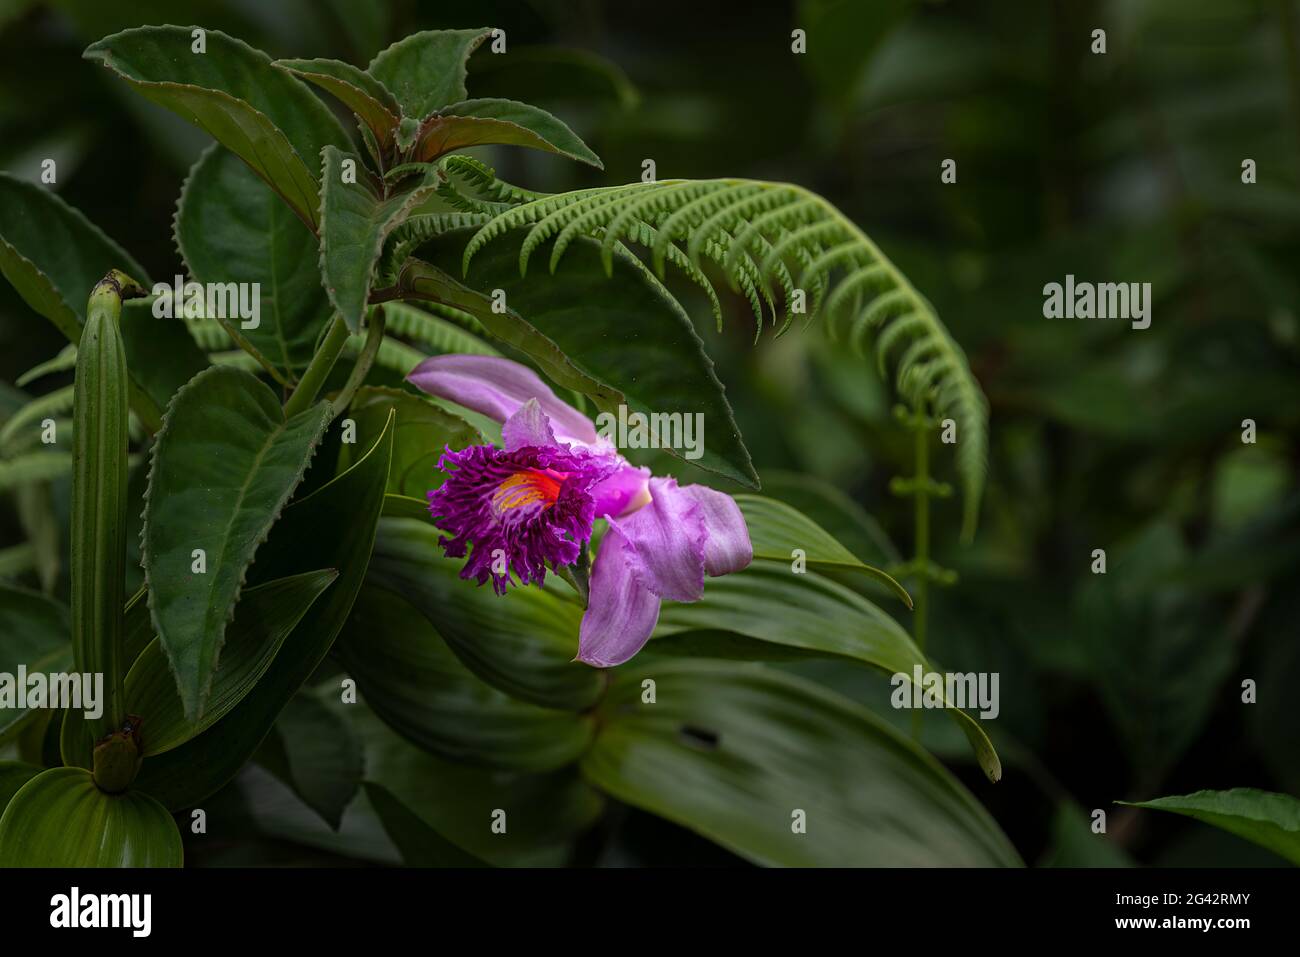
x: 322, y: 364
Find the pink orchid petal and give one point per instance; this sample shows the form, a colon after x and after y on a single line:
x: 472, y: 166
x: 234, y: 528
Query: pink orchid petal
x: 621, y: 613
x: 498, y: 387
x: 529, y: 426
x: 624, y: 491
x: 728, y: 548
x: 666, y: 542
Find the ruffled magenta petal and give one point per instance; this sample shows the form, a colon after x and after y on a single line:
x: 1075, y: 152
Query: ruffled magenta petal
x: 728, y: 548
x: 666, y: 541
x: 624, y: 491
x: 497, y: 387
x: 621, y: 613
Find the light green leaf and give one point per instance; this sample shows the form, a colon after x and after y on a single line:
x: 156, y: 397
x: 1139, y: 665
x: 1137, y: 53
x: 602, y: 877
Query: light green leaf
x: 34, y: 467
x: 735, y: 752
x: 1266, y: 818
x: 777, y: 529
x: 809, y: 614
x: 483, y: 122
x: 61, y: 819
x: 355, y: 219
x: 426, y: 70
x: 264, y: 115
x: 523, y: 642
x: 308, y: 535
x: 264, y: 617
x: 224, y: 465
x: 413, y: 681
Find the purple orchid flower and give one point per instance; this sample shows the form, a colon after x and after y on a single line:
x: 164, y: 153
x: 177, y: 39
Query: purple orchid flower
x: 534, y: 501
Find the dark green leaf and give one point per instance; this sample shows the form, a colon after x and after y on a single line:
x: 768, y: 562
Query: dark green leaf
x: 482, y: 122
x: 356, y: 217
x: 264, y: 617
x: 356, y: 89
x: 13, y: 775
x: 769, y: 602
x: 61, y: 819
x: 523, y: 642
x: 735, y: 752
x: 413, y: 681
x: 419, y: 844
x: 37, y: 634
x: 224, y: 465
x: 316, y: 753
x: 426, y: 70
x: 264, y: 115
x: 231, y: 228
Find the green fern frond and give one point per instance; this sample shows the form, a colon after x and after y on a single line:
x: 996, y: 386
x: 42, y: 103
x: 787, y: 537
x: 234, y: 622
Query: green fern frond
x: 760, y: 235
x: 435, y: 332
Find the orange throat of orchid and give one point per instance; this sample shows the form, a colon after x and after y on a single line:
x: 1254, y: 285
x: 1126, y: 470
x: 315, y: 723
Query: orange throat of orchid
x: 529, y: 487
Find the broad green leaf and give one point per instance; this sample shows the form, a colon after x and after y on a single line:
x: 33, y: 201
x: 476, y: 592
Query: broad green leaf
x: 426, y: 70
x: 829, y: 507
x: 625, y: 332
x: 53, y: 255
x: 36, y: 634
x: 13, y: 775
x: 356, y: 217
x: 231, y: 228
x: 523, y: 642
x: 1266, y: 818
x: 354, y: 88
x: 733, y: 752
x: 264, y: 617
x: 224, y: 465
x: 315, y: 751
x: 483, y: 122
x: 264, y: 115
x: 1156, y: 650
x: 777, y: 530
x: 421, y: 432
x: 61, y: 819
x: 413, y: 681
x: 160, y: 358
x: 419, y: 844
x: 333, y: 527
x: 545, y: 813
x: 811, y: 614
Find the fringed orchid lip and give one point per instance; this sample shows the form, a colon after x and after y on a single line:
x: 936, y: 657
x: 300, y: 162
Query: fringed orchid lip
x: 532, y: 504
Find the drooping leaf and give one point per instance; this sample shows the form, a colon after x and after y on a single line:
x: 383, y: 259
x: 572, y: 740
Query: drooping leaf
x: 230, y: 227
x: 264, y: 115
x: 316, y: 753
x: 419, y: 844
x: 264, y: 617
x: 61, y: 819
x: 356, y: 217
x: 421, y: 431
x: 413, y: 681
x: 482, y: 122
x: 742, y: 755
x: 624, y: 331
x: 308, y: 535
x: 426, y: 70
x: 1266, y: 818
x: 523, y: 642
x: 355, y: 88
x: 224, y: 465
x: 807, y: 612
x: 777, y: 530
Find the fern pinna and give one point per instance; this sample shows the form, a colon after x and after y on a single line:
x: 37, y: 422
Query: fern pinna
x: 764, y: 237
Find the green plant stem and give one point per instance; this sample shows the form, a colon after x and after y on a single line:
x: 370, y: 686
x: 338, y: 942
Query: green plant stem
x: 322, y: 364
x: 374, y: 338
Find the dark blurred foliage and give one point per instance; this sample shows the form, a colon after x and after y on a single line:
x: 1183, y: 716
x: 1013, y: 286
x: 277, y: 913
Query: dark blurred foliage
x: 1117, y: 167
